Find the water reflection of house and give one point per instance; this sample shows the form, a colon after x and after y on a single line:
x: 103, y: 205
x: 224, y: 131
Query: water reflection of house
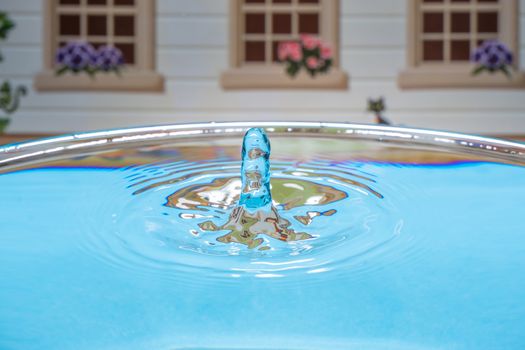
x: 200, y: 60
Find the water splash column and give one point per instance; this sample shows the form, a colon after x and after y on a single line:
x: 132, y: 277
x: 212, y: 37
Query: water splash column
x: 255, y: 170
x: 255, y: 215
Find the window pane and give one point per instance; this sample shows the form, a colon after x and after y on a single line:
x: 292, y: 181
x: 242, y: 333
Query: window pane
x: 432, y: 0
x: 69, y: 2
x: 96, y: 2
x: 69, y: 25
x: 254, y: 51
x: 432, y: 22
x: 309, y: 23
x: 460, y: 50
x: 282, y: 23
x: 97, y: 25
x: 487, y: 22
x: 460, y: 22
x: 124, y: 26
x: 254, y: 1
x: 308, y: 1
x: 487, y: 0
x: 282, y: 1
x: 275, y: 51
x: 124, y: 2
x: 255, y: 23
x: 460, y: 0
x: 433, y: 50
x: 128, y: 51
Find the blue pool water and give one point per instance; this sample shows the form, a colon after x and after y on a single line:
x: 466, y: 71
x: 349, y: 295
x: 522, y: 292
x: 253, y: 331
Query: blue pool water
x: 402, y: 256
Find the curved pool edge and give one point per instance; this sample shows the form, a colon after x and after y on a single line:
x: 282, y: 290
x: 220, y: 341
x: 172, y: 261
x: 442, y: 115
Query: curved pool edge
x: 54, y: 148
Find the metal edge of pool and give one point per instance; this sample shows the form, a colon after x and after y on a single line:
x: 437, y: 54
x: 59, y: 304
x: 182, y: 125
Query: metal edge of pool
x: 59, y: 147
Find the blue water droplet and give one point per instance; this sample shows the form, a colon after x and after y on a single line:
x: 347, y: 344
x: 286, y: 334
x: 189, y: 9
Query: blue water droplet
x: 255, y: 170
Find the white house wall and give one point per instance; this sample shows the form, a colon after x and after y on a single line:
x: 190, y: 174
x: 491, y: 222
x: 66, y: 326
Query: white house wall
x: 192, y: 50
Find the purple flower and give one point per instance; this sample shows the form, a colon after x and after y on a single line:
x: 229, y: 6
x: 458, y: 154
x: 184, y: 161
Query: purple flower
x: 80, y: 56
x: 76, y: 55
x: 492, y: 55
x: 109, y: 58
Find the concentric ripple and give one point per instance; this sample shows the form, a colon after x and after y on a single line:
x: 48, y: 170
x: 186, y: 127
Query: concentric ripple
x: 165, y: 218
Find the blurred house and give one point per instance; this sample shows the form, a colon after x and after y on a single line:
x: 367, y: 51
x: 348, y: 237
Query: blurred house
x: 206, y: 60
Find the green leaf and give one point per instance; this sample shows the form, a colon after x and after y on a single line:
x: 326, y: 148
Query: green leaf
x: 9, y: 97
x: 3, y: 124
x: 477, y: 70
x: 311, y: 72
x: 326, y: 67
x: 61, y: 70
x: 293, y: 68
x: 5, y: 88
x: 6, y: 25
x: 506, y: 71
x: 91, y: 72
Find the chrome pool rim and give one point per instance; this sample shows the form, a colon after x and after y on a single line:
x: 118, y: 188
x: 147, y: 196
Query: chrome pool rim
x: 60, y: 147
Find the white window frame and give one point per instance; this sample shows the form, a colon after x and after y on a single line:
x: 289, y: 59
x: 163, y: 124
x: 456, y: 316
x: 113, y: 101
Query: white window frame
x: 141, y: 76
x: 271, y: 75
x: 420, y: 74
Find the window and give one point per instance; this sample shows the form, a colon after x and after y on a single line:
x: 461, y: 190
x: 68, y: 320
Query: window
x: 125, y: 24
x: 260, y: 45
x: 443, y: 33
x: 258, y: 26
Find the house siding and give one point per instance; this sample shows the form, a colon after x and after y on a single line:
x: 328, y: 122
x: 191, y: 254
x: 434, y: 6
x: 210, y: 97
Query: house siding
x: 192, y: 51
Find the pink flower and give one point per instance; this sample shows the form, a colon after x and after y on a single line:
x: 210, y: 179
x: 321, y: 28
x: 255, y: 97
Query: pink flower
x: 282, y: 52
x: 309, y: 42
x: 326, y: 51
x: 296, y: 53
x: 312, y: 62
x: 290, y: 50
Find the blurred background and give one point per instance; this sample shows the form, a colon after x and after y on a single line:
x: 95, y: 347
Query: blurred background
x: 74, y: 65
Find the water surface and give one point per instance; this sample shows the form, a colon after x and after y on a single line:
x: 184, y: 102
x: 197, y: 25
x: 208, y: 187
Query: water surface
x: 403, y: 255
